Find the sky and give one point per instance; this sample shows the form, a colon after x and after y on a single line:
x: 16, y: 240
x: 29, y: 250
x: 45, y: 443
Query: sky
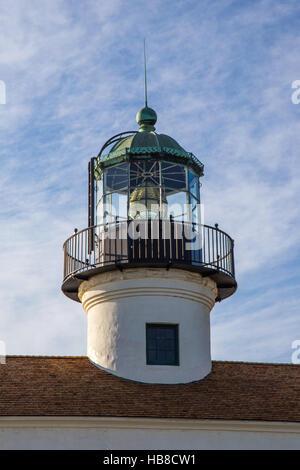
x: 220, y: 77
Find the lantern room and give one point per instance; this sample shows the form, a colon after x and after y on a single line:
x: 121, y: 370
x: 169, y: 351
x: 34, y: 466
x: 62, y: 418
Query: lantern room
x: 144, y: 210
x: 146, y: 175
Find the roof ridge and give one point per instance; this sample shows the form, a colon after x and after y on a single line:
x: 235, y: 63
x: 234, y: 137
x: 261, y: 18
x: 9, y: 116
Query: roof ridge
x: 38, y: 356
x: 255, y: 363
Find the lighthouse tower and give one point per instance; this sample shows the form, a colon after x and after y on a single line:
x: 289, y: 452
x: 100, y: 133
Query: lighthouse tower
x: 147, y: 270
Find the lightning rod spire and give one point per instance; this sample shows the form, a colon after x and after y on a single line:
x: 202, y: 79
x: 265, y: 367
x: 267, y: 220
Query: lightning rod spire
x: 145, y: 74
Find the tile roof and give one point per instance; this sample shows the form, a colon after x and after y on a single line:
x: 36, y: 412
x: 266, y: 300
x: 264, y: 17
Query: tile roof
x: 72, y: 386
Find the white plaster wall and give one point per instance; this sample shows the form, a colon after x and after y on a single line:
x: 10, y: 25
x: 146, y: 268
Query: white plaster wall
x: 127, y: 438
x: 119, y: 305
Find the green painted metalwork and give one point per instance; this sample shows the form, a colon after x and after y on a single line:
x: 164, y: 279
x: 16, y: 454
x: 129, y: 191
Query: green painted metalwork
x: 139, y: 145
x: 146, y: 118
x: 151, y: 153
x: 145, y: 144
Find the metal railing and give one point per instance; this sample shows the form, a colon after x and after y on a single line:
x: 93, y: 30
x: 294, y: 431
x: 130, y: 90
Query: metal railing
x: 163, y: 242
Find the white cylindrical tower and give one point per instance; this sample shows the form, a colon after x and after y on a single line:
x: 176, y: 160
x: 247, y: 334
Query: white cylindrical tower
x: 146, y: 270
x: 140, y: 317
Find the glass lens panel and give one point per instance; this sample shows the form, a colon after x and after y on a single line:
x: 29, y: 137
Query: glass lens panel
x: 119, y: 203
x: 99, y: 212
x: 173, y: 177
x: 195, y: 210
x: 144, y: 202
x: 194, y: 184
x: 144, y: 173
x: 177, y: 205
x: 108, y: 214
x: 114, y: 207
x: 116, y: 178
x: 99, y: 189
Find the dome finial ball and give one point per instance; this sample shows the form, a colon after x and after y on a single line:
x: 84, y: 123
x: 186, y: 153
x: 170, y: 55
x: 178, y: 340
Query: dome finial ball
x: 146, y: 118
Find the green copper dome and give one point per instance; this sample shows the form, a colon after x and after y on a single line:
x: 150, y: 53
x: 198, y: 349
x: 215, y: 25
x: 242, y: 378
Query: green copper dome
x: 146, y: 140
x: 145, y: 144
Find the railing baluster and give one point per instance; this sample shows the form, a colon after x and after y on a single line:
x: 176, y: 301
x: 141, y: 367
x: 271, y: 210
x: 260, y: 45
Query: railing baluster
x: 215, y: 251
x: 209, y: 248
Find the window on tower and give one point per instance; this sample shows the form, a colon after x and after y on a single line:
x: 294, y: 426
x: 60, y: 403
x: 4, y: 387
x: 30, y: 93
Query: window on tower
x: 162, y: 344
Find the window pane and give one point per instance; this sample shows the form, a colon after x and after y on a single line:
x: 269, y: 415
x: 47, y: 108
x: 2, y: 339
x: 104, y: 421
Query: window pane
x: 151, y: 356
x: 151, y: 343
x: 162, y: 356
x: 169, y: 356
x: 166, y: 344
x: 162, y: 344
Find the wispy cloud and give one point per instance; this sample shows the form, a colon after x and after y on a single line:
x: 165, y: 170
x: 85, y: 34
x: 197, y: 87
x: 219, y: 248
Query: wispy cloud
x: 220, y: 77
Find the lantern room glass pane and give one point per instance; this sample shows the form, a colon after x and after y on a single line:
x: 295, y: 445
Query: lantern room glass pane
x: 99, y: 189
x: 177, y: 205
x: 144, y: 173
x: 114, y: 207
x: 144, y: 197
x: 99, y: 211
x: 195, y: 210
x: 194, y: 185
x: 144, y: 202
x: 147, y: 189
x: 119, y: 205
x: 116, y: 178
x: 173, y: 177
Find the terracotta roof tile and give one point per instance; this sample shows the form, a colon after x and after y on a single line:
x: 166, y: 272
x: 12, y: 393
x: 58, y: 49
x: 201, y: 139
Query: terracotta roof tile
x: 72, y: 386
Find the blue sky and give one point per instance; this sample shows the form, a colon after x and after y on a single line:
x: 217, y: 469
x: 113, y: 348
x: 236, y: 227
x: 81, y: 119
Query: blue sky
x: 220, y: 76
